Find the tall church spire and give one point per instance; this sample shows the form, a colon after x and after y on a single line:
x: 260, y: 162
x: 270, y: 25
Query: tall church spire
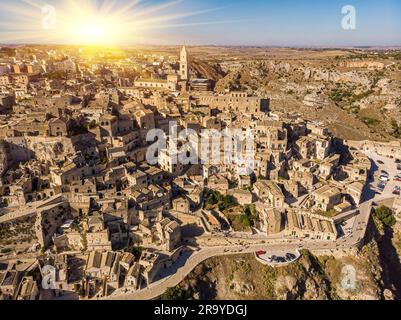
x: 184, y: 68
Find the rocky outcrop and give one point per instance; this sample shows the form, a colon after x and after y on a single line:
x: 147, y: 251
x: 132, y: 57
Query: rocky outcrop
x: 3, y: 158
x: 371, y: 65
x: 319, y: 74
x: 207, y: 71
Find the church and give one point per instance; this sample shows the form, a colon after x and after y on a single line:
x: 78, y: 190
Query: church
x: 173, y: 81
x: 184, y: 67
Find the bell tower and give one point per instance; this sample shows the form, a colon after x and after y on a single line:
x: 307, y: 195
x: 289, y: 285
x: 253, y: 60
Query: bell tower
x: 184, y: 69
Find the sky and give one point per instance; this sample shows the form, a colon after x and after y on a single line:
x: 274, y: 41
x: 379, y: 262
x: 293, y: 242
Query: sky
x: 293, y: 23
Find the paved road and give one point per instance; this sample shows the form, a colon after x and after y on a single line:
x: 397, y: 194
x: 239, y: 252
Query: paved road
x: 17, y: 213
x: 30, y: 209
x: 391, y: 168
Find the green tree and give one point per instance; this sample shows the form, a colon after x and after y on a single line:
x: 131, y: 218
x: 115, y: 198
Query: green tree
x: 212, y: 199
x: 135, y: 250
x: 227, y: 203
x: 370, y: 122
x: 251, y: 213
x: 176, y: 293
x: 386, y: 216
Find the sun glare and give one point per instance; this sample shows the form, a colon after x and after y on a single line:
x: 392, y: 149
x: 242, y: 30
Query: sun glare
x: 93, y: 32
x: 91, y: 27
x: 86, y: 22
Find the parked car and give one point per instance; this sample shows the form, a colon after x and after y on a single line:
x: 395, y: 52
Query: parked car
x: 290, y: 256
x: 384, y: 173
x: 381, y: 186
x: 384, y: 178
x: 398, y: 161
x: 397, y: 191
x: 397, y: 177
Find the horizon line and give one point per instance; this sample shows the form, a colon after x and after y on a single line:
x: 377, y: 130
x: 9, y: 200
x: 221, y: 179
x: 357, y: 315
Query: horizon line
x: 209, y: 45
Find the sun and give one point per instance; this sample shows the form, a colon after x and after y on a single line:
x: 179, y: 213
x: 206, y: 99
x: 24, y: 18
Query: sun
x: 92, y: 22
x: 93, y: 32
x: 89, y: 26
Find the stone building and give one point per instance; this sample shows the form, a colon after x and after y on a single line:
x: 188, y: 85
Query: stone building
x: 238, y: 102
x: 270, y: 193
x: 327, y: 197
x: 184, y: 64
x: 308, y: 226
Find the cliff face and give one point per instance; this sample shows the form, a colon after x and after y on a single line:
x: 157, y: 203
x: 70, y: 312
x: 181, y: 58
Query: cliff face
x: 3, y: 158
x: 357, y: 100
x: 372, y: 274
x: 206, y: 70
x: 311, y: 278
